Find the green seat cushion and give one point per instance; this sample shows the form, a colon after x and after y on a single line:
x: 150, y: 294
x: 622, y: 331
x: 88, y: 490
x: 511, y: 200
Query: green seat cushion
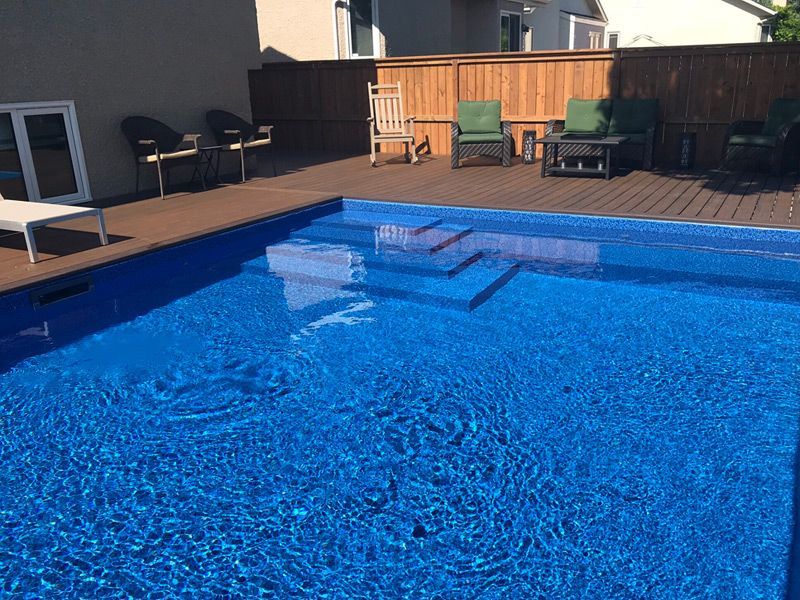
x: 479, y: 117
x: 588, y: 116
x: 781, y: 112
x: 480, y: 138
x: 632, y: 116
x: 767, y: 141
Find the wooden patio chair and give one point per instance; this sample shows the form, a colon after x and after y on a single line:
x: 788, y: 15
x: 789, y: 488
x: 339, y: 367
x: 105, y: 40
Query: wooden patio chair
x: 234, y: 134
x: 387, y: 123
x: 154, y: 143
x: 774, y: 143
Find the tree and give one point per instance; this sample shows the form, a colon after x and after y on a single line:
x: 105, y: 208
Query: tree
x: 787, y: 24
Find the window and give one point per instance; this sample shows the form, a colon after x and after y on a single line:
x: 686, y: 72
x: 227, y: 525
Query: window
x: 613, y: 41
x: 41, y: 158
x: 362, y: 29
x: 594, y: 39
x: 510, y: 32
x: 766, y: 33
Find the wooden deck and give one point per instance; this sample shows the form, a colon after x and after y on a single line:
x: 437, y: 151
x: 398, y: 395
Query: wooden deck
x: 304, y: 180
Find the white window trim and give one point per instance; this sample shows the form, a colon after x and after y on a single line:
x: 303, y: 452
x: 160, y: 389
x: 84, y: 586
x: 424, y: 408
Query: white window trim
x: 583, y: 21
x: 18, y: 111
x: 376, y: 33
x: 500, y: 27
x: 608, y: 38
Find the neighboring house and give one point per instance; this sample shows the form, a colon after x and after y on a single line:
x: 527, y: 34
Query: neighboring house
x: 344, y: 29
x: 71, y: 71
x: 565, y: 24
x: 635, y: 23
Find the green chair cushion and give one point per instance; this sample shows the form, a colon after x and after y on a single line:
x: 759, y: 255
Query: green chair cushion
x: 480, y: 138
x: 632, y: 116
x: 479, y: 117
x: 781, y: 112
x: 767, y: 141
x: 588, y: 116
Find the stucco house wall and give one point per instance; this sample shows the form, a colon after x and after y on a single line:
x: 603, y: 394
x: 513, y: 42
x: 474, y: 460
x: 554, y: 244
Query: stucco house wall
x: 297, y: 30
x: 169, y: 60
x: 684, y: 22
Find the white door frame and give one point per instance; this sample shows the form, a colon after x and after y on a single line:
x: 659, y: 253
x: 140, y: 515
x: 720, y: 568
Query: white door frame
x: 18, y: 112
x: 376, y: 33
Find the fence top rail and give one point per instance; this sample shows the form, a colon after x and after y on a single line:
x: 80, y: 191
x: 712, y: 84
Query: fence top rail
x: 541, y: 55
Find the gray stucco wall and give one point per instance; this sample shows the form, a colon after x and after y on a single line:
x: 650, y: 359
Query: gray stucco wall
x: 416, y: 27
x: 169, y: 60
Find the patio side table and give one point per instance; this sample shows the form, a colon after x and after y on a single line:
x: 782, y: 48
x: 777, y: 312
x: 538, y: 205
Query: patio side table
x: 609, y: 144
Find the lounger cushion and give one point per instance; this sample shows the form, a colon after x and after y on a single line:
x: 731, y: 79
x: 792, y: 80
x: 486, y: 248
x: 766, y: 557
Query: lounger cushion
x: 588, y: 116
x: 766, y: 141
x: 151, y: 158
x: 250, y: 144
x: 480, y: 138
x: 781, y: 112
x: 479, y: 117
x: 632, y: 116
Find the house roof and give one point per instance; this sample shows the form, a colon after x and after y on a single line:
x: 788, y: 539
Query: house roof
x: 597, y: 9
x: 755, y: 7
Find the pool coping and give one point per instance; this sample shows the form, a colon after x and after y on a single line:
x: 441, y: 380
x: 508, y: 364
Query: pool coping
x: 732, y: 233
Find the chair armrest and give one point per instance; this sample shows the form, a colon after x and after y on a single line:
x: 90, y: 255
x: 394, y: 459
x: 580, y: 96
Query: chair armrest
x: 411, y: 118
x: 743, y: 128
x: 505, y: 126
x: 232, y: 132
x: 554, y: 126
x: 147, y: 143
x: 787, y: 130
x: 264, y: 130
x: 192, y: 138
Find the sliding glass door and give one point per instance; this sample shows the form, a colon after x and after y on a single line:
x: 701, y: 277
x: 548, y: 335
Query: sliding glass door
x: 40, y: 154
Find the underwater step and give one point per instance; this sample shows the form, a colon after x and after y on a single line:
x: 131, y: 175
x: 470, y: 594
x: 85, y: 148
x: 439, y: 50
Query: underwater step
x: 430, y: 241
x: 473, y: 286
x: 441, y: 264
x: 356, y: 219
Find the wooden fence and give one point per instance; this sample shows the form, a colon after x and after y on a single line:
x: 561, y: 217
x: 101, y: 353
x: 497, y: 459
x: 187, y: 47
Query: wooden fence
x: 323, y: 105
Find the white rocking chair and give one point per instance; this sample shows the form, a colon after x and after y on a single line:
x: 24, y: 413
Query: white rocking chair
x: 387, y: 122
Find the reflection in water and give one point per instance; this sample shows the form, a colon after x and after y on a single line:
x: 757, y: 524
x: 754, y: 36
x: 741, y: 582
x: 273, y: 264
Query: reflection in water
x: 300, y: 263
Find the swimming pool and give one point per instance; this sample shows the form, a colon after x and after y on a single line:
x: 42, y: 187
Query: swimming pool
x: 381, y: 400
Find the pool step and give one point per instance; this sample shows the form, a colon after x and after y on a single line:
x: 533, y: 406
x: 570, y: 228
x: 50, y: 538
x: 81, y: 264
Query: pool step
x: 367, y: 220
x: 446, y: 264
x: 387, y: 236
x: 472, y: 287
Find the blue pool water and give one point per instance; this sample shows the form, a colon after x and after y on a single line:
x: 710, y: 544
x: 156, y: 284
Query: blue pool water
x: 369, y: 400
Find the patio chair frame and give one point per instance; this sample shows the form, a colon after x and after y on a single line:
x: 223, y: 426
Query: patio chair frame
x: 234, y: 134
x: 501, y: 150
x: 776, y: 159
x: 149, y: 137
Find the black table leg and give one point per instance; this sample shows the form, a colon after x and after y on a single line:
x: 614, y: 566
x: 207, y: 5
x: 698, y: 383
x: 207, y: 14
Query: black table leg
x: 544, y: 160
x: 608, y: 163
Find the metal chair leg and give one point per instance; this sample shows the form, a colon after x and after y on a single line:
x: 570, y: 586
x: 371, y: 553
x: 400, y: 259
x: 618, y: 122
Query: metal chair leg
x: 160, y: 178
x: 241, y: 157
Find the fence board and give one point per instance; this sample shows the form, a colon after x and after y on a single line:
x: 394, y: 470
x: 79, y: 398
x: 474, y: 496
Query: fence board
x: 322, y: 105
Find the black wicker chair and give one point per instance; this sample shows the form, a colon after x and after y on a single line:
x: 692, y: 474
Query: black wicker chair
x: 154, y: 143
x: 773, y: 144
x: 480, y: 132
x: 234, y: 134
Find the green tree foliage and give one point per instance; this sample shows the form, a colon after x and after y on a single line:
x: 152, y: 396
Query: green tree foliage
x: 787, y: 24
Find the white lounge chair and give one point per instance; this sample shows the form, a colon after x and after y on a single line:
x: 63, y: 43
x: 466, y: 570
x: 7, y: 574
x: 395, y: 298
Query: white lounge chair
x: 16, y: 215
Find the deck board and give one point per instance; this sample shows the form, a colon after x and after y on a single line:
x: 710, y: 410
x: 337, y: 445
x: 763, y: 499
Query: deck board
x: 306, y: 179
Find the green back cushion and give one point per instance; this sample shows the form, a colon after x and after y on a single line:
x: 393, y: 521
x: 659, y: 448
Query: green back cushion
x: 633, y: 116
x: 479, y: 117
x: 588, y: 116
x: 781, y: 112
